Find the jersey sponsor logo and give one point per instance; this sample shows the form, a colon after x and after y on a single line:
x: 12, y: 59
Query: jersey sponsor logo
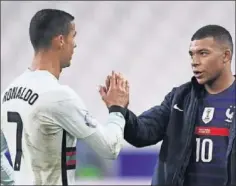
x: 208, y: 114
x: 22, y: 93
x: 211, y: 131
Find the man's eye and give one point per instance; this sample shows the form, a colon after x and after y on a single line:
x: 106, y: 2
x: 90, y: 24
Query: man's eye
x: 203, y: 53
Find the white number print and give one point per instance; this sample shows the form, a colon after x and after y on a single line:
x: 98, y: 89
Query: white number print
x: 201, y: 146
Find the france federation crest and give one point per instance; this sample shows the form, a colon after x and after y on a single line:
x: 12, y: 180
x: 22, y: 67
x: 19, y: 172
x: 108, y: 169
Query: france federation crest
x: 208, y: 114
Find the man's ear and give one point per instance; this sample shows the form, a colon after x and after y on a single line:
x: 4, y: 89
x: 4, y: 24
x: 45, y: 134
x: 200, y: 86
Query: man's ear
x: 58, y: 42
x: 61, y: 40
x: 227, y: 56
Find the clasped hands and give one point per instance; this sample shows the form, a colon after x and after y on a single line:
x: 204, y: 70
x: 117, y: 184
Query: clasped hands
x: 115, y: 91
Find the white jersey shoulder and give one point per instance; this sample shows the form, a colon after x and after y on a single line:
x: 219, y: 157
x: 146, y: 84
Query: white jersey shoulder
x: 42, y: 120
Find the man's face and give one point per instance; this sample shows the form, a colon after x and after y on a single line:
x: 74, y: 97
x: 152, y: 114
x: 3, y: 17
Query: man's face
x: 207, y: 59
x: 68, y: 47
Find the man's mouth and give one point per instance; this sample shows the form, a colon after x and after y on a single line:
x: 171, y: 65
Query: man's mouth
x: 197, y: 74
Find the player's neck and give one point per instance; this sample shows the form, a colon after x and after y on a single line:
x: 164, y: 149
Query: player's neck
x: 221, y: 83
x: 46, y: 61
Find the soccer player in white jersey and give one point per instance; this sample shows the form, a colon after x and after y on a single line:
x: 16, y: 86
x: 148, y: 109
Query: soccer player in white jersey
x: 42, y: 119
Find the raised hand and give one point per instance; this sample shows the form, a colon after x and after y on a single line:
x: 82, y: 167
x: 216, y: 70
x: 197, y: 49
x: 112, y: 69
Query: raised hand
x: 116, y: 91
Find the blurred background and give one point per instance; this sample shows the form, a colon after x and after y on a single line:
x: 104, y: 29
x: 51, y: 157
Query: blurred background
x: 146, y: 41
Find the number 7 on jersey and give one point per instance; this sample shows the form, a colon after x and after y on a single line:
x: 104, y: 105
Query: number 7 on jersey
x: 14, y: 117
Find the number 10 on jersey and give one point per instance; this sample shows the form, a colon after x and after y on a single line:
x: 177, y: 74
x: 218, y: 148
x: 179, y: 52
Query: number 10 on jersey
x: 203, y: 153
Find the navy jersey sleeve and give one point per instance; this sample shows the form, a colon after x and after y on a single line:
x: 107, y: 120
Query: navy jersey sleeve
x: 149, y: 127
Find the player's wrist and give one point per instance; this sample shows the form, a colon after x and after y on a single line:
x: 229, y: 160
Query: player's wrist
x: 117, y: 108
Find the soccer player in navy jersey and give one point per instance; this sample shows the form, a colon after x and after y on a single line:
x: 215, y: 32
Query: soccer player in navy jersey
x: 196, y: 121
x: 210, y: 56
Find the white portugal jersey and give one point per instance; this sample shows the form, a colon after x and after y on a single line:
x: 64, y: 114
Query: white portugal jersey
x: 41, y: 121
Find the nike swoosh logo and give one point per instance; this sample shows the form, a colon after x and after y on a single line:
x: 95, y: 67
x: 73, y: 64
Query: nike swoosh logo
x: 177, y: 108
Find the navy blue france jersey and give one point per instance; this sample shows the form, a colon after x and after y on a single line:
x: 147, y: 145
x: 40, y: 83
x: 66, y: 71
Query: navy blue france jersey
x: 207, y: 166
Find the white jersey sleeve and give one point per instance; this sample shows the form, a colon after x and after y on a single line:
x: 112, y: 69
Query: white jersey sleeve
x: 107, y: 140
x: 6, y: 169
x: 3, y: 143
x: 72, y: 115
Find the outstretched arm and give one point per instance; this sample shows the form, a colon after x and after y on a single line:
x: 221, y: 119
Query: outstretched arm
x: 148, y: 128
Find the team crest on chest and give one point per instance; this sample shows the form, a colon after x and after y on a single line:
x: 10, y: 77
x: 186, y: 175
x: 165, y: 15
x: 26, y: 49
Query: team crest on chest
x: 230, y: 114
x: 208, y: 114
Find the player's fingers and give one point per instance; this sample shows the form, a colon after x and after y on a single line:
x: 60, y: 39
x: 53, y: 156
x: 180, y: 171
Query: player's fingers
x: 113, y: 80
x: 102, y: 87
x: 117, y: 76
x: 127, y: 86
x: 108, y: 81
x: 122, y: 81
x: 102, y: 91
x: 119, y: 81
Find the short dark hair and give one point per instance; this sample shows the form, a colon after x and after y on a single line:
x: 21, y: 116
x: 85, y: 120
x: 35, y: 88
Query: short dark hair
x: 219, y: 33
x: 46, y: 24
